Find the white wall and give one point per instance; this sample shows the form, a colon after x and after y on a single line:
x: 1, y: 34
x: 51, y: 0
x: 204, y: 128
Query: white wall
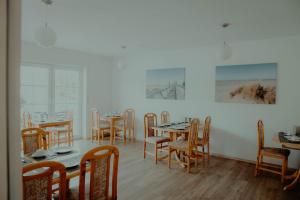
x: 97, y: 70
x: 234, y: 125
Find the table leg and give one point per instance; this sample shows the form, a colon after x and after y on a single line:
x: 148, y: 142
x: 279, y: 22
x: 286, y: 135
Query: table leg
x: 292, y: 185
x: 112, y: 132
x: 177, y: 158
x: 69, y: 135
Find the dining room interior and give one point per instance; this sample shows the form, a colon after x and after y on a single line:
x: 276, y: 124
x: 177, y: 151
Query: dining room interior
x: 157, y: 99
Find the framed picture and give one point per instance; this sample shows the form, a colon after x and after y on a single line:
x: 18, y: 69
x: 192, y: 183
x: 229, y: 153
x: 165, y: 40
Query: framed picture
x: 254, y: 83
x: 166, y: 83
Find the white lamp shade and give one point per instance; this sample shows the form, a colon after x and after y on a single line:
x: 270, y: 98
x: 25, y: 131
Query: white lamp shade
x: 46, y: 36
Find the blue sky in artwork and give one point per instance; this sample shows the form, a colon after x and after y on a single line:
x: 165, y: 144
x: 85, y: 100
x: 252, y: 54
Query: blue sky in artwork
x: 163, y: 76
x: 247, y: 72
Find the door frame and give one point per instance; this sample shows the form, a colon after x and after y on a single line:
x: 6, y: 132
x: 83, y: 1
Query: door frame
x: 3, y: 101
x: 13, y: 98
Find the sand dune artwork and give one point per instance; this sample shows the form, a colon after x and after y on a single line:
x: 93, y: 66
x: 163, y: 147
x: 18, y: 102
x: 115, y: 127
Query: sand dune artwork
x: 166, y: 83
x: 253, y: 83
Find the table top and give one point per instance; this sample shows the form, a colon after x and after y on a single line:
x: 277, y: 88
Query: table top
x: 67, y: 159
x: 112, y: 116
x: 180, y: 127
x: 286, y: 144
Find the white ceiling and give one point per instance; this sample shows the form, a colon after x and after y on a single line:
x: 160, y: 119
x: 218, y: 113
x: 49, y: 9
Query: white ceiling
x: 102, y: 26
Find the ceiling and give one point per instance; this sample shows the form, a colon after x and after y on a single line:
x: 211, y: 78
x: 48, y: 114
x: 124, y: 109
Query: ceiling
x: 103, y: 26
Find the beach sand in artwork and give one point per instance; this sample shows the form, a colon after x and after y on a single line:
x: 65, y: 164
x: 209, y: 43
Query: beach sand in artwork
x: 246, y: 91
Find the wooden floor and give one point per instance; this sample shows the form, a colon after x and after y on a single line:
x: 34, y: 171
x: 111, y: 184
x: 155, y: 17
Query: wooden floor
x: 219, y: 179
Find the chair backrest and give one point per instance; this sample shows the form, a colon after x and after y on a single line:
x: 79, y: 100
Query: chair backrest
x: 164, y: 117
x: 261, y: 134
x: 27, y: 121
x: 34, y: 139
x: 206, y: 129
x: 99, y: 160
x: 150, y: 120
x: 193, y: 134
x: 37, y: 180
x: 129, y: 116
x: 95, y: 119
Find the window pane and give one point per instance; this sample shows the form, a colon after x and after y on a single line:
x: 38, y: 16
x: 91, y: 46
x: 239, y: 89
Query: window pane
x: 67, y: 95
x: 34, y: 90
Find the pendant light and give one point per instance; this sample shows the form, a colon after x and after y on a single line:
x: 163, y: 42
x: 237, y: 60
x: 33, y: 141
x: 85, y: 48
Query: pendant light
x: 45, y: 35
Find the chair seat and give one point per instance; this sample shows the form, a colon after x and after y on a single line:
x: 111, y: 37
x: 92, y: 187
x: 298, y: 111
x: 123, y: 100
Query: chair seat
x: 157, y: 139
x: 201, y: 142
x: 276, y: 151
x: 179, y: 144
x: 102, y: 126
x: 73, y: 193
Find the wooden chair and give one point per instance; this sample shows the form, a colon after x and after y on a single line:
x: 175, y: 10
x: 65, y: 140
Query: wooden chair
x: 204, y: 141
x: 98, y: 161
x: 27, y: 121
x: 276, y: 153
x: 129, y: 122
x: 64, y: 134
x: 188, y: 149
x: 164, y: 117
x: 34, y: 139
x: 37, y: 180
x: 97, y: 126
x: 150, y: 137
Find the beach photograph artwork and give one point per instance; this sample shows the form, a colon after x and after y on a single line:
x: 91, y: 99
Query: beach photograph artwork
x: 166, y: 83
x: 253, y: 83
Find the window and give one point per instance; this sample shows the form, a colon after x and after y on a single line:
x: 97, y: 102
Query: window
x: 52, y: 89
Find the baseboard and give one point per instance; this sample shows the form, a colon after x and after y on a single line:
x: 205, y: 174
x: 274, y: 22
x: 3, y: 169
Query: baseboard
x: 232, y: 158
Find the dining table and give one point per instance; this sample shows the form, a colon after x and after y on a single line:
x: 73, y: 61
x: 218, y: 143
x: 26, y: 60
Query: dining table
x: 286, y: 142
x: 174, y: 129
x: 113, y: 120
x: 69, y: 156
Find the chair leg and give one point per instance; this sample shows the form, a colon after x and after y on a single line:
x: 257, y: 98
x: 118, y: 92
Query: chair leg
x: 208, y: 152
x: 169, y: 158
x: 100, y: 135
x: 145, y: 145
x: 283, y: 171
x: 256, y: 167
x: 188, y: 164
x: 196, y: 158
x: 124, y: 135
x: 155, y: 153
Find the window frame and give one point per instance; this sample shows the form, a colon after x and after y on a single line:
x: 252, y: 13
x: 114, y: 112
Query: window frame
x: 51, y: 88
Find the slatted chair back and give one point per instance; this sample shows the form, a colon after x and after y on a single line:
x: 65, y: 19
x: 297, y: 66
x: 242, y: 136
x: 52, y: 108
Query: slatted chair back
x: 206, y: 130
x: 95, y: 119
x: 27, y: 120
x: 261, y: 135
x: 37, y: 180
x: 150, y: 120
x: 34, y: 139
x: 193, y: 134
x: 165, y: 117
x: 99, y: 161
x: 129, y: 118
